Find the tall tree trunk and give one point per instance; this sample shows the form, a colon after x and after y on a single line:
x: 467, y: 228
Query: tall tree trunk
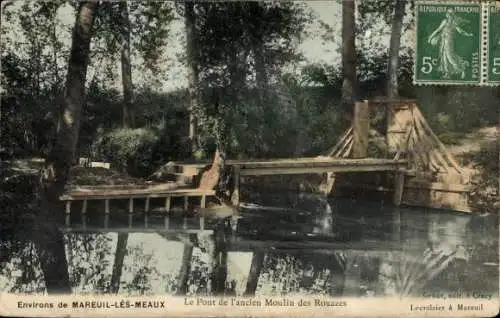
x: 189, y: 20
x: 121, y: 251
x: 128, y: 90
x: 393, y: 65
x: 395, y: 43
x: 49, y: 240
x: 350, y: 81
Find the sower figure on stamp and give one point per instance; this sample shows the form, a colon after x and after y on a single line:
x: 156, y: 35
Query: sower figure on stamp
x: 450, y: 63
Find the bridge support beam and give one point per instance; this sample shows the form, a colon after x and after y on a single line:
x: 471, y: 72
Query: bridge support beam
x: 399, y: 180
x: 235, y: 196
x: 361, y: 129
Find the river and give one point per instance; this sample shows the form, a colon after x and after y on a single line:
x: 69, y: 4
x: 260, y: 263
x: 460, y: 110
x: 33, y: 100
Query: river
x: 308, y: 245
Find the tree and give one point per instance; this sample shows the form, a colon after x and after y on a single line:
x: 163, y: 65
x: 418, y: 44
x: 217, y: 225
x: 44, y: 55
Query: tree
x: 239, y: 41
x: 128, y: 113
x: 350, y: 81
x: 393, y: 65
x: 50, y: 244
x: 189, y: 20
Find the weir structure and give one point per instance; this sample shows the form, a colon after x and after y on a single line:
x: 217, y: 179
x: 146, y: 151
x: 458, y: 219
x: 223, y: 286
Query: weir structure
x: 415, y: 168
x: 432, y: 177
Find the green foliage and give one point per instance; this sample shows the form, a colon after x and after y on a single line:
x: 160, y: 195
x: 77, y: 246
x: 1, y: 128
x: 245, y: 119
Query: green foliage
x: 126, y: 149
x: 149, y: 31
x: 139, y: 151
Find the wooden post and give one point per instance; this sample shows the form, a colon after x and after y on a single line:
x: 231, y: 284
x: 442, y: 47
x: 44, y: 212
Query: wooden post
x: 361, y: 129
x: 130, y: 219
x: 235, y: 197
x: 131, y: 205
x: 167, y: 204
x: 106, y: 220
x: 106, y: 206
x: 186, y: 203
x: 68, y: 213
x: 146, y: 205
x: 202, y: 218
x: 84, y: 206
x: 399, y: 180
x: 146, y: 219
x: 167, y: 211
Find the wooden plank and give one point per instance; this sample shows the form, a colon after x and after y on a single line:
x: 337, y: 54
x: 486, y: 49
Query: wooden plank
x: 167, y: 204
x: 341, y: 142
x: 319, y: 170
x: 84, y: 206
x: 96, y: 194
x: 361, y: 129
x: 398, y: 188
x: 391, y: 101
x: 438, y: 186
x: 131, y: 205
x: 326, y: 162
x: 202, y: 223
x: 235, y: 196
x: 131, y: 230
x: 441, y: 146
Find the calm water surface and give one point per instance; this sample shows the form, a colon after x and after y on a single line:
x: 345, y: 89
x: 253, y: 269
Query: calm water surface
x: 310, y: 245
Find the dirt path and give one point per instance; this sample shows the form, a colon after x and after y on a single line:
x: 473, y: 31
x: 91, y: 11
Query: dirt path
x: 472, y: 143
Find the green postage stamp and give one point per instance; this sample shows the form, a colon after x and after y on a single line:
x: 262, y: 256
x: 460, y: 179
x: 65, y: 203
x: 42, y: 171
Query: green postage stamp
x: 448, y: 43
x: 494, y: 44
x: 457, y: 43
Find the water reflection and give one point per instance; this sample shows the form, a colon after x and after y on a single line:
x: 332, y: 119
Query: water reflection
x: 296, y: 245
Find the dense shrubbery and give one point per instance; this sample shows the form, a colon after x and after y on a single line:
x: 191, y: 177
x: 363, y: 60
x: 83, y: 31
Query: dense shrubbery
x: 139, y: 151
x: 126, y: 149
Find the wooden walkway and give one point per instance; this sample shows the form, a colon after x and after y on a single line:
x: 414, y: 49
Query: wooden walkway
x: 107, y: 193
x: 320, y: 164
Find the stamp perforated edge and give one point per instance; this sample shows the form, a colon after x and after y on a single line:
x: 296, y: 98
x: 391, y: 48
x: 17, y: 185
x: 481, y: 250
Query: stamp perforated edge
x: 484, y: 41
x: 487, y: 8
x: 454, y: 83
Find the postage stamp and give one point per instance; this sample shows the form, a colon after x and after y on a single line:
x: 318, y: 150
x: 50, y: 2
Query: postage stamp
x: 493, y: 44
x: 448, y: 43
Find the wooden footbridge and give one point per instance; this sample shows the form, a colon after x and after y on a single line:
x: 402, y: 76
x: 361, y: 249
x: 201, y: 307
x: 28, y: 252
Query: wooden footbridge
x: 423, y: 172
